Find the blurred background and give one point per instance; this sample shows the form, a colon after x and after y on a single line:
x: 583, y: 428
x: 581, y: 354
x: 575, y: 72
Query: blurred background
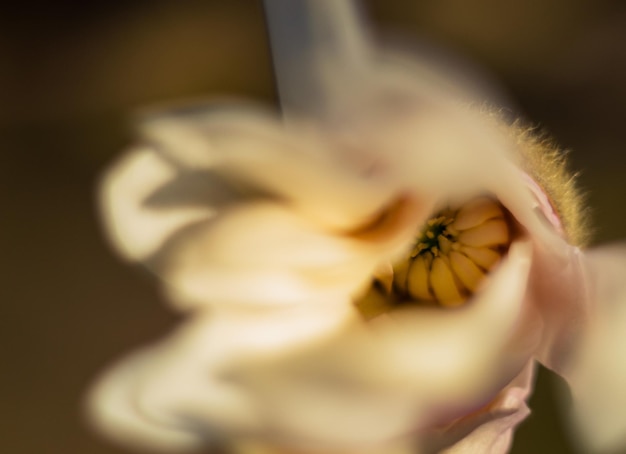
x: 70, y: 76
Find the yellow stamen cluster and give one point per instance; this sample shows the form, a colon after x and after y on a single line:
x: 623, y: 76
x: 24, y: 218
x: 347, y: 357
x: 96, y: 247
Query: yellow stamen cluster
x: 453, y: 253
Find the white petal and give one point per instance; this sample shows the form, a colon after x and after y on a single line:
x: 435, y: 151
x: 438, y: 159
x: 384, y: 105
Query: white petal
x: 180, y: 393
x: 136, y: 229
x: 367, y: 387
x: 597, y: 374
x: 432, y: 348
x: 114, y: 411
x: 254, y: 147
x: 263, y: 253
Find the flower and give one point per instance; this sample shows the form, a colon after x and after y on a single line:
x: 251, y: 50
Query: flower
x: 312, y: 259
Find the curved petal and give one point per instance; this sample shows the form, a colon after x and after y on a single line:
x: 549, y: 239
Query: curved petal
x: 263, y: 253
x: 490, y: 430
x: 322, y: 221
x: 558, y: 286
x: 369, y: 387
x: 560, y: 294
x: 597, y: 371
x: 114, y: 410
x: 136, y: 228
x: 312, y: 375
x: 297, y: 164
x: 180, y: 394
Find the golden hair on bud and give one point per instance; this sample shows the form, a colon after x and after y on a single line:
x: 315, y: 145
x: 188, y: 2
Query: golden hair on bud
x: 547, y: 164
x: 458, y: 246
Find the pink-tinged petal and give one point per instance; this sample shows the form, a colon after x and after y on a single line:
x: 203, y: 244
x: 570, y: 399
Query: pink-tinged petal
x: 559, y: 293
x: 137, y: 229
x: 372, y: 385
x: 263, y: 253
x: 558, y: 285
x: 489, y: 430
x: 597, y: 371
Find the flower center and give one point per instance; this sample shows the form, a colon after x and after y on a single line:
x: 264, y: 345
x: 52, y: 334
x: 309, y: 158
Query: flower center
x: 437, y: 236
x: 453, y: 253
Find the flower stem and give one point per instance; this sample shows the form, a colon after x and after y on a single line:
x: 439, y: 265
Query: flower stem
x: 317, y: 46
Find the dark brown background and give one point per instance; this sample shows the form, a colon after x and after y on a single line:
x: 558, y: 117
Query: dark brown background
x: 70, y: 75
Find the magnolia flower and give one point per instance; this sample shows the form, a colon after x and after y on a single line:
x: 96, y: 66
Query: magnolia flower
x: 381, y: 281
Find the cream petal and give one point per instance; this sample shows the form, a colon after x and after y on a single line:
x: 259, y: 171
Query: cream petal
x: 371, y: 384
x: 597, y: 370
x: 363, y: 385
x: 477, y: 159
x: 179, y: 394
x: 262, y: 252
x: 254, y: 147
x: 313, y: 405
x: 366, y: 385
x: 469, y: 163
x: 113, y: 410
x: 434, y: 347
x: 137, y: 229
